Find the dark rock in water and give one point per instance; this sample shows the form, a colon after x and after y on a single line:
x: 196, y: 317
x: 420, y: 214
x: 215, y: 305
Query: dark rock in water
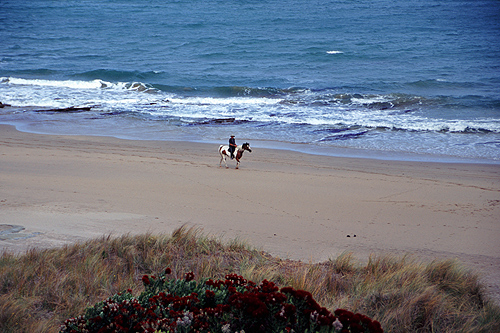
x: 218, y: 121
x: 70, y: 109
x: 223, y: 120
x: 4, y: 105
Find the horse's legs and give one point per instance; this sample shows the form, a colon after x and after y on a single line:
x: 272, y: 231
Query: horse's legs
x: 222, y: 158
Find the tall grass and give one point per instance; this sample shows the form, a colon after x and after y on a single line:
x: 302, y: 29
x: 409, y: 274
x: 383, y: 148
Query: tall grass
x: 42, y: 288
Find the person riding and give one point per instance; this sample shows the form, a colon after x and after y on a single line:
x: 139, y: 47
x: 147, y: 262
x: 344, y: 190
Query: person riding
x: 232, y: 146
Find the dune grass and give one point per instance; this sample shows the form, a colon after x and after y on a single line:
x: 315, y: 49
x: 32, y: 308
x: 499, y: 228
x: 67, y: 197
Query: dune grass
x: 41, y: 288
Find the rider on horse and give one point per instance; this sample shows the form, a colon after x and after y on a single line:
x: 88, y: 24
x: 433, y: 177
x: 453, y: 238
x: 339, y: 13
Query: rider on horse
x: 232, y: 146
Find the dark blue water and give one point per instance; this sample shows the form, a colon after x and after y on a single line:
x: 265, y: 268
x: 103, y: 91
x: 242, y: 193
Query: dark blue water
x: 378, y: 78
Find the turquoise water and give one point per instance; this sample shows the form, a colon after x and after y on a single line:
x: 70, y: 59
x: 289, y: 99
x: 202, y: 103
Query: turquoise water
x: 414, y: 79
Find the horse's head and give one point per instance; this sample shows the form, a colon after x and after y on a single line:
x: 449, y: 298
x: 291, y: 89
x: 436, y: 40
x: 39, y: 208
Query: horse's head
x: 246, y: 146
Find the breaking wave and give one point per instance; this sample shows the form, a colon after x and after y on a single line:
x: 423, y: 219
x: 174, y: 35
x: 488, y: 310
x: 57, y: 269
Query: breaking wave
x: 296, y: 114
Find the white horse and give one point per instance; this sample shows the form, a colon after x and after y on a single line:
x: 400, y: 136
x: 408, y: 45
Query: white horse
x: 224, y: 153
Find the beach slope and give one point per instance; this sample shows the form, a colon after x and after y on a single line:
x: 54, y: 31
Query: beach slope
x: 56, y: 190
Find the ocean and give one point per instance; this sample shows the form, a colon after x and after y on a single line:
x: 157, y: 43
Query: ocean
x: 405, y: 80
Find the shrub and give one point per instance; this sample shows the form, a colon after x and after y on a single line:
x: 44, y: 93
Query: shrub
x: 231, y: 305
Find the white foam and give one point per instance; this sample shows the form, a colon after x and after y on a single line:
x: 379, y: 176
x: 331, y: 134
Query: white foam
x: 130, y: 96
x: 55, y: 83
x: 76, y: 84
x: 334, y: 52
x: 225, y: 101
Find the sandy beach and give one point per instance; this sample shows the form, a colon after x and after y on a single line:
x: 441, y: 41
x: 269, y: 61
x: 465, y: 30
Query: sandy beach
x: 56, y: 190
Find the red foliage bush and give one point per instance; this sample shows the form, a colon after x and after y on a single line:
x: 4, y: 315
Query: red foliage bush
x: 230, y: 305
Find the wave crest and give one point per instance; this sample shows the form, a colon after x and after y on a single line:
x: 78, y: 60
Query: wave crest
x: 78, y: 84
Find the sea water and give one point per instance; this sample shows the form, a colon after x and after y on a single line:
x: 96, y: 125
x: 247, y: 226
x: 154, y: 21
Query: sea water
x: 415, y: 79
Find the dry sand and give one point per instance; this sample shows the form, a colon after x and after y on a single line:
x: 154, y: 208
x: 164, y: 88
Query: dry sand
x: 63, y: 189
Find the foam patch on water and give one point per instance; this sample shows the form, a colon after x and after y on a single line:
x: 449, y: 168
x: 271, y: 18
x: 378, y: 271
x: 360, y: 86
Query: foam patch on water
x: 55, y: 83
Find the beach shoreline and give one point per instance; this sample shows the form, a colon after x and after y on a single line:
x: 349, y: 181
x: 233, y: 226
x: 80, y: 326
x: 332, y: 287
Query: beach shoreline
x: 189, y: 132
x: 66, y: 189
